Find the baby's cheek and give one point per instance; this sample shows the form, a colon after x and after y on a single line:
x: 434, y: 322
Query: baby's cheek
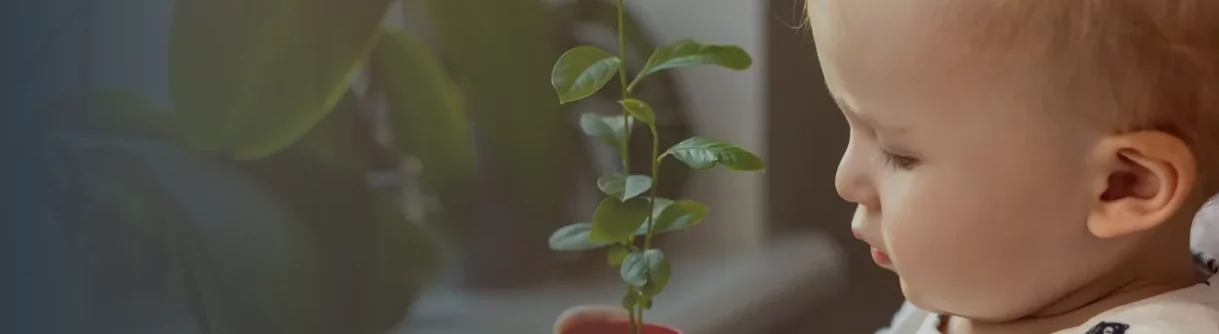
x: 953, y: 255
x: 951, y: 275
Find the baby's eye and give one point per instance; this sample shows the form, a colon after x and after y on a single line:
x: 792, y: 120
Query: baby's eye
x: 898, y: 161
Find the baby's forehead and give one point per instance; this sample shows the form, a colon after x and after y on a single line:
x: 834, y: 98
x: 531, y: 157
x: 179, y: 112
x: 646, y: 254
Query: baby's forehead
x: 1030, y: 27
x: 951, y: 31
x: 909, y: 50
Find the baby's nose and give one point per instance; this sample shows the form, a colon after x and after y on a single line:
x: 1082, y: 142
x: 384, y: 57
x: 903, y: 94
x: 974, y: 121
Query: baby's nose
x: 854, y: 182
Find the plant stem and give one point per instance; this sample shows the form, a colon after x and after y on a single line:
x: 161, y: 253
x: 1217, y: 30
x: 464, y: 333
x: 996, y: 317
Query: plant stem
x: 647, y: 240
x: 651, y: 205
x: 636, y: 311
x: 639, y: 329
x: 626, y: 118
x: 632, y: 315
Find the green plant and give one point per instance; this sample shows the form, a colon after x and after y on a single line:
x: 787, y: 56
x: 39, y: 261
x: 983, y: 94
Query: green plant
x: 246, y: 202
x: 528, y: 145
x: 632, y: 211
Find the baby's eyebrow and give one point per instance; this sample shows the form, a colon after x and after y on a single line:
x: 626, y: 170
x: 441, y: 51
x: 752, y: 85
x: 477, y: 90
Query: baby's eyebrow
x: 866, y: 118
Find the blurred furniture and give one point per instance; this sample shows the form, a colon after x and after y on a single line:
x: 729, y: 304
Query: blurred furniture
x: 717, y: 294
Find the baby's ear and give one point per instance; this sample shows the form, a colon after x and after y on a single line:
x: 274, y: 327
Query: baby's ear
x: 1141, y: 180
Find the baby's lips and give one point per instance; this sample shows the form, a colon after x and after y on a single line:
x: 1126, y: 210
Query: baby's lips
x: 859, y: 235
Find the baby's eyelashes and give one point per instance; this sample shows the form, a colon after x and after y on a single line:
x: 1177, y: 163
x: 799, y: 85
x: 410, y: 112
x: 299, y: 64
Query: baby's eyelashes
x: 898, y: 161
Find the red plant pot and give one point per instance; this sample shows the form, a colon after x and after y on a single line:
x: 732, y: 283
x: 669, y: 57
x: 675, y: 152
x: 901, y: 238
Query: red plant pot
x: 618, y: 327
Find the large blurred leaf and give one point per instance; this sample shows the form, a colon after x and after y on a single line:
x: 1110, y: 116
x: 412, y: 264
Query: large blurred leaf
x: 343, y: 140
x: 287, y: 244
x: 401, y: 258
x: 427, y: 116
x: 251, y: 77
x: 131, y: 245
x: 375, y: 261
x: 500, y: 54
x: 499, y: 51
x: 112, y: 111
x: 248, y: 253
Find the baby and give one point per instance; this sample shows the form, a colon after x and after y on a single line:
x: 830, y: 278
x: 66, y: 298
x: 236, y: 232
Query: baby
x: 1030, y: 166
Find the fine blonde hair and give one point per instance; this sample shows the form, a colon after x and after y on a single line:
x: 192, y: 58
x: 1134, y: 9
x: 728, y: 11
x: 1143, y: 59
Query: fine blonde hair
x: 1154, y: 63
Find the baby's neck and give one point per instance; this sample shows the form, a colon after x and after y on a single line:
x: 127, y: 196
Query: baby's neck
x: 1160, y: 274
x: 1049, y: 323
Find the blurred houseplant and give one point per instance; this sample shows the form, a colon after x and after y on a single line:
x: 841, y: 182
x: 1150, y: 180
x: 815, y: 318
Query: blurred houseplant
x: 247, y: 207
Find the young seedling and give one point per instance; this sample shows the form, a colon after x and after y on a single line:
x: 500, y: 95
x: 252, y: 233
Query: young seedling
x: 631, y: 210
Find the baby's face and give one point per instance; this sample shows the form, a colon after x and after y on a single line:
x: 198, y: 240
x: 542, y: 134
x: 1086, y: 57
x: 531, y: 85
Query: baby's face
x: 973, y: 191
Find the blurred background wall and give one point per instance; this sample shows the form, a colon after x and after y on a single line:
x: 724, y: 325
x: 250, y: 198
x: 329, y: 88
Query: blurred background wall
x: 803, y: 122
x: 723, y: 104
x: 410, y: 241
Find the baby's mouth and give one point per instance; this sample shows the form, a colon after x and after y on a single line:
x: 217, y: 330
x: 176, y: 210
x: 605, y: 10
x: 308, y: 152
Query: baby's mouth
x: 881, y: 258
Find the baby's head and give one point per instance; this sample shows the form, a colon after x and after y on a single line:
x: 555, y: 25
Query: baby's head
x: 1011, y: 155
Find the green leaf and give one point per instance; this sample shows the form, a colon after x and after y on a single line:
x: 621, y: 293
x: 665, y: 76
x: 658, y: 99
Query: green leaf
x: 624, y: 187
x: 426, y: 111
x: 686, y: 53
x: 615, y: 254
x: 635, y: 269
x: 630, y: 299
x: 252, y: 77
x: 427, y: 117
x: 645, y: 302
x: 640, y: 110
x: 574, y: 237
x: 643, y: 267
x: 658, y: 273
x: 609, y: 129
x: 681, y: 215
x: 616, y: 220
x: 705, y: 153
x: 661, y: 204
x: 582, y: 71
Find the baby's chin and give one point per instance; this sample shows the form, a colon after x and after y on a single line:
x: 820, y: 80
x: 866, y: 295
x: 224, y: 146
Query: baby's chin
x: 921, y: 301
x: 887, y: 266
x: 935, y: 303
